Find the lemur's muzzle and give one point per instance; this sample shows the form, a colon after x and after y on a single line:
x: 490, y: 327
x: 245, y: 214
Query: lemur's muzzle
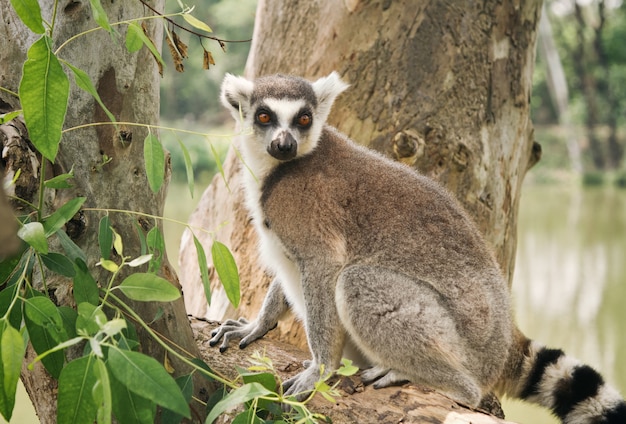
x: 283, y: 147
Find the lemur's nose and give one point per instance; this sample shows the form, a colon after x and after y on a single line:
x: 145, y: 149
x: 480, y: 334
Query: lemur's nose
x: 283, y: 147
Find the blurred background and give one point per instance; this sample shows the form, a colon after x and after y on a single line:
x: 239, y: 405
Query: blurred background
x: 570, y: 274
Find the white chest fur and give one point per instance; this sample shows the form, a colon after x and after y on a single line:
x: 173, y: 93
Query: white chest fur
x: 272, y: 252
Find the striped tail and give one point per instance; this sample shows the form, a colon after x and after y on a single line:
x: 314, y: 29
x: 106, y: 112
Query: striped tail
x: 574, y: 392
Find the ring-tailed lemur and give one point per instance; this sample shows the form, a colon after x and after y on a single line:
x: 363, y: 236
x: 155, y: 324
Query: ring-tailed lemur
x: 368, y: 252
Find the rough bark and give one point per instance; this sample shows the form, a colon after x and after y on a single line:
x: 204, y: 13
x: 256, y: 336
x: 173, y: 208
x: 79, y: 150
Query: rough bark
x: 358, y: 403
x: 442, y: 86
x: 129, y: 85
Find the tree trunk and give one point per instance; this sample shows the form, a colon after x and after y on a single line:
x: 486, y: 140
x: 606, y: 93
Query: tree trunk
x: 129, y: 86
x: 442, y: 86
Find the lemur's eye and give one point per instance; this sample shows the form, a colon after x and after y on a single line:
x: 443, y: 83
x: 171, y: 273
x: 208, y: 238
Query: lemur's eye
x: 263, y: 118
x: 304, y: 120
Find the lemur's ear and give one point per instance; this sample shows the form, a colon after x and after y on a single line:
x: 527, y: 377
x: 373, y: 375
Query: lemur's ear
x: 236, y: 93
x: 327, y: 89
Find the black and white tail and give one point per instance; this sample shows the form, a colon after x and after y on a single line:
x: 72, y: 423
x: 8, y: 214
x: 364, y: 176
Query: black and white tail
x: 574, y: 392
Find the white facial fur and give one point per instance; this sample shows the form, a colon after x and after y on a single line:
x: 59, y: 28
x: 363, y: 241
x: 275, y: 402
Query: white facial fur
x: 238, y: 94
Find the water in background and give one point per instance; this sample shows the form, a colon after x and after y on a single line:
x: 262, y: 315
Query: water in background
x: 570, y: 279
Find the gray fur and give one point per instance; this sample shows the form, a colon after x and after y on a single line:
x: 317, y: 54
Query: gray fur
x: 370, y: 253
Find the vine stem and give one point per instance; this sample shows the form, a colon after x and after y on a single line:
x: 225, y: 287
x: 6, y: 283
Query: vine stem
x: 165, y: 346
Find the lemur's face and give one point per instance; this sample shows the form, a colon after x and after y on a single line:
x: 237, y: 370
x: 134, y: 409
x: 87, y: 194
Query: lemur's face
x: 285, y: 113
x: 283, y: 126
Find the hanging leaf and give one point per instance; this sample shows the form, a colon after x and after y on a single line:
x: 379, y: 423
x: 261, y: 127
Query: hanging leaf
x: 102, y: 393
x: 84, y: 82
x: 155, y: 162
x: 59, y: 264
x: 226, y: 269
x: 133, y: 41
x: 148, y: 287
x: 185, y: 383
x: 197, y: 23
x: 129, y: 407
x: 7, y: 117
x: 176, y: 57
x: 105, y: 237
x: 144, y: 376
x: 75, y: 404
x: 85, y: 287
x: 30, y: 14
x: 71, y: 249
x: 156, y: 246
x: 180, y: 46
x: 66, y: 212
x: 60, y: 181
x: 188, y: 167
x: 12, y: 349
x: 207, y: 60
x: 44, y: 91
x: 34, y: 234
x: 204, y: 269
x: 100, y: 15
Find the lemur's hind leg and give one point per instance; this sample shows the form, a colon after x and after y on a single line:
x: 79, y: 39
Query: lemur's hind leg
x: 404, y: 327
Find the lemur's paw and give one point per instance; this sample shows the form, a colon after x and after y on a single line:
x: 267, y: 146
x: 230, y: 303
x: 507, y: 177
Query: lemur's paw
x: 241, y: 329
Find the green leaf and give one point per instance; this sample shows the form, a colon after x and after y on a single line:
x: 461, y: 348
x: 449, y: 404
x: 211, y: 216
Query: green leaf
x: 155, y: 162
x: 90, y: 319
x: 144, y: 376
x: 347, y: 369
x: 148, y: 287
x: 60, y: 181
x: 266, y: 379
x: 137, y: 33
x: 105, y: 237
x: 12, y: 348
x: 108, y: 265
x: 75, y: 404
x: 30, y: 13
x: 133, y: 40
x: 236, y: 397
x: 85, y: 286
x: 7, y: 296
x: 73, y: 252
x: 140, y: 260
x: 227, y: 271
x: 156, y: 246
x: 34, y: 234
x: 102, y: 393
x: 204, y: 269
x: 118, y: 245
x: 7, y: 117
x: 46, y: 330
x: 59, y: 263
x: 195, y: 22
x: 100, y: 15
x: 185, y: 383
x: 218, y: 163
x: 44, y: 91
x: 188, y: 167
x: 54, y: 222
x: 128, y: 407
x: 84, y: 82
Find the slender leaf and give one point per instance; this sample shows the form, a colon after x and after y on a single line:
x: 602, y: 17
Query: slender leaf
x: 204, y: 269
x: 12, y: 349
x: 188, y: 167
x: 30, y: 13
x: 71, y: 249
x: 236, y: 397
x: 6, y: 300
x: 195, y: 22
x: 118, y: 245
x: 156, y: 246
x: 140, y: 260
x: 144, y: 376
x: 137, y: 33
x: 84, y: 82
x: 102, y: 393
x: 75, y: 404
x: 133, y: 40
x: 100, y: 15
x: 44, y: 91
x: 218, y: 163
x: 185, y: 383
x: 226, y: 268
x: 148, y: 288
x: 7, y: 117
x: 60, y: 181
x: 129, y: 407
x: 54, y: 222
x: 154, y: 157
x: 85, y: 287
x: 34, y: 234
x: 105, y: 237
x: 59, y: 264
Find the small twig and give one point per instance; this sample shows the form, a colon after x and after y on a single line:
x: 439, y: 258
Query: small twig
x: 219, y: 40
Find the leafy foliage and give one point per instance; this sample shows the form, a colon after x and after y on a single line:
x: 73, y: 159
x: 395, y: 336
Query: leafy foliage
x: 112, y: 378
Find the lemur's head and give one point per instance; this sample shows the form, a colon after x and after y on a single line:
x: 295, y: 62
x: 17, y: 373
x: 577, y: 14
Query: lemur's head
x: 286, y: 113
